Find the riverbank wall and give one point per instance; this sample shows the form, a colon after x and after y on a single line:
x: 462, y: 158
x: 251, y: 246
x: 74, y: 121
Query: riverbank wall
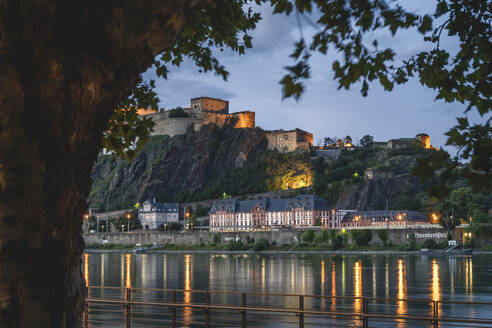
x: 283, y: 237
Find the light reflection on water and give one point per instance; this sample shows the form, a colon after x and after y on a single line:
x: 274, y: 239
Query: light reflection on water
x: 435, y: 289
x: 390, y: 276
x: 401, y: 308
x: 357, y: 286
x: 187, y: 286
x: 86, y: 269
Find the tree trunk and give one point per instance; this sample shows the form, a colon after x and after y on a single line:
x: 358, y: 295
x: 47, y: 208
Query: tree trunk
x: 63, y: 69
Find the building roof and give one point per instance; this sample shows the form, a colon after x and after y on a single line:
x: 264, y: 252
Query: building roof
x: 382, y: 214
x: 402, y: 140
x: 161, y: 207
x: 209, y: 98
x: 288, y: 131
x: 234, y: 205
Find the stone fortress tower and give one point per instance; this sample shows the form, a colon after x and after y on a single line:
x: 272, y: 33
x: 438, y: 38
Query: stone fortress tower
x: 202, y: 111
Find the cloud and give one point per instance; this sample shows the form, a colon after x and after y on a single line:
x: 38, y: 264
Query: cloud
x: 323, y: 109
x: 178, y: 90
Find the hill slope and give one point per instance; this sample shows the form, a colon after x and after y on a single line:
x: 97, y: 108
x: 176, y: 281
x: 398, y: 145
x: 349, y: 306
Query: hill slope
x: 196, y: 166
x: 204, y: 165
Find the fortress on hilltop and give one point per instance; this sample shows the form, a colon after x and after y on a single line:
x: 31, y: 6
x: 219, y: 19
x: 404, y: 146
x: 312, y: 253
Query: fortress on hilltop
x: 202, y: 111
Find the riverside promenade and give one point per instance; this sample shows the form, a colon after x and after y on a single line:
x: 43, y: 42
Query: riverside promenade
x: 279, y: 237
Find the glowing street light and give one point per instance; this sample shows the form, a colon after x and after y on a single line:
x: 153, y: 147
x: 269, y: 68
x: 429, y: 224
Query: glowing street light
x: 434, y: 217
x: 128, y: 217
x: 86, y: 218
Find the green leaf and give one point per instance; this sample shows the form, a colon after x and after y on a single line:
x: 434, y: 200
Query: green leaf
x: 425, y: 24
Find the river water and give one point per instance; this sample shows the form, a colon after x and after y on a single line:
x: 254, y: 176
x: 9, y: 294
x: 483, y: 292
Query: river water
x: 427, y: 277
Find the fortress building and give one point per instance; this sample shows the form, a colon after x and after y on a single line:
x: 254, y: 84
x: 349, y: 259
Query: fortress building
x: 289, y: 141
x: 421, y: 140
x: 206, y: 110
x: 207, y: 104
x: 202, y: 111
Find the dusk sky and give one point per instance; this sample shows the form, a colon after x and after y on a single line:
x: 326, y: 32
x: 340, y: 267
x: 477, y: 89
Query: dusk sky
x: 253, y: 84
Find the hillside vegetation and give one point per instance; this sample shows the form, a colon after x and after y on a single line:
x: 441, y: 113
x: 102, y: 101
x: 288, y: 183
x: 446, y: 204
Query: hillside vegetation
x: 343, y: 184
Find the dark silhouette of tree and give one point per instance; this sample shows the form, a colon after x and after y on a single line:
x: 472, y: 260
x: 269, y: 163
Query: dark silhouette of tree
x: 65, y: 66
x: 367, y: 141
x: 329, y: 141
x: 177, y: 113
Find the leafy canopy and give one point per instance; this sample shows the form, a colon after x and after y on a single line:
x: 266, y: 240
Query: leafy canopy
x: 461, y: 73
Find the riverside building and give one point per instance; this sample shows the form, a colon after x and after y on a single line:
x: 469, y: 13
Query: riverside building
x: 265, y: 212
x: 384, y: 219
x: 152, y: 214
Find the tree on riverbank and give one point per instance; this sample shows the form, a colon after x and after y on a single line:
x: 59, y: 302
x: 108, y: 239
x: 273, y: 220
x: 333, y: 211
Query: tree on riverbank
x: 67, y: 65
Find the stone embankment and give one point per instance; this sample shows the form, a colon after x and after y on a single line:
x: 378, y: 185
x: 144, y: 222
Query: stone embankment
x: 283, y: 237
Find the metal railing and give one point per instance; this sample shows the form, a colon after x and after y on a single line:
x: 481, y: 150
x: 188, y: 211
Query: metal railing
x: 150, y: 307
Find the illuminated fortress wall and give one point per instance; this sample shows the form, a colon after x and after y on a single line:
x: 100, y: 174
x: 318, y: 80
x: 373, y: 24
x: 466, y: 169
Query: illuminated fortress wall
x: 203, y: 111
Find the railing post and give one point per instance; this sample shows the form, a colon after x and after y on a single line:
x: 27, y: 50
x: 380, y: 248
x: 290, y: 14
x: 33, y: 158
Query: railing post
x: 243, y: 317
x: 435, y: 322
x: 301, y: 314
x: 207, y: 310
x: 173, y: 309
x: 128, y: 298
x: 86, y: 308
x: 365, y: 320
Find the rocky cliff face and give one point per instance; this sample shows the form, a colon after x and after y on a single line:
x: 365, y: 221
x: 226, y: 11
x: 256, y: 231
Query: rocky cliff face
x: 378, y: 193
x: 174, y: 169
x: 203, y: 165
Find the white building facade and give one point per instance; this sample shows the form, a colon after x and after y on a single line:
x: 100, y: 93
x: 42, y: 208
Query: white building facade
x: 152, y: 214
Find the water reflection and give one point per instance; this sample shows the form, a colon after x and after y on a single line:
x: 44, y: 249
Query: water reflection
x: 103, y: 260
x: 436, y: 292
x: 187, y: 286
x: 402, y: 288
x: 343, y: 275
x: 386, y: 277
x: 357, y: 285
x: 323, y: 283
x: 128, y: 272
x: 263, y: 273
x: 86, y: 268
x: 452, y: 270
x: 409, y: 277
x: 333, y: 286
x: 164, y: 270
x: 468, y: 275
x: 374, y: 284
x: 292, y: 275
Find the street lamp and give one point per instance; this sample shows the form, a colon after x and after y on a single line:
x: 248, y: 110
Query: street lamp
x: 434, y: 217
x: 128, y: 217
x: 86, y: 218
